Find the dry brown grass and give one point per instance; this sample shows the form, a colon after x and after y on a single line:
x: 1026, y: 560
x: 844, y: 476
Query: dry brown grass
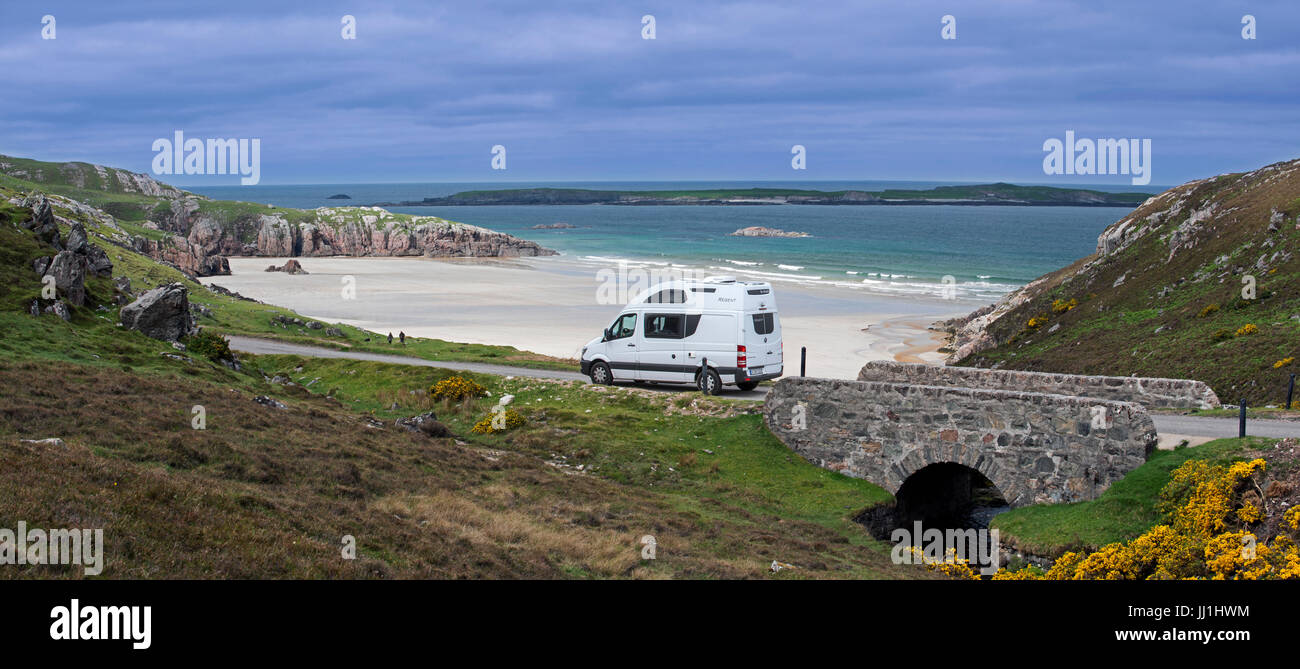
x: 267, y: 493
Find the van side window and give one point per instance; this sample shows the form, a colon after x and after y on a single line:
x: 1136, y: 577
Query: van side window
x: 692, y: 324
x: 763, y: 324
x: 669, y: 296
x: 663, y: 326
x: 623, y: 327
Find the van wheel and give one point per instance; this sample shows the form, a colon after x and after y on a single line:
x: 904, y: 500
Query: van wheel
x: 709, y: 382
x: 600, y: 374
x: 747, y: 385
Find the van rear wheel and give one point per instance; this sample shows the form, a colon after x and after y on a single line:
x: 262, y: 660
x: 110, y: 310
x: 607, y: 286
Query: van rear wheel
x: 600, y: 374
x: 709, y: 382
x: 747, y: 385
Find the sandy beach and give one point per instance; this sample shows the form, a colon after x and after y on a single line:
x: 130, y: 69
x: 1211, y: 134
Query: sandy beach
x: 554, y: 305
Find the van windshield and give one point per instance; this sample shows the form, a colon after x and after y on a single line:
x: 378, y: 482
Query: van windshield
x: 624, y: 326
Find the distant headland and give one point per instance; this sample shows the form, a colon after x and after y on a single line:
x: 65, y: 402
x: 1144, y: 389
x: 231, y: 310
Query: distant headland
x: 989, y: 194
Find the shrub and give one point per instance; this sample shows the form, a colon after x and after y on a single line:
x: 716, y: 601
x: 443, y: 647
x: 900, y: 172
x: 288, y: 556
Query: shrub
x: 1062, y: 306
x: 1036, y: 322
x: 1283, y: 363
x: 1247, y: 329
x: 1209, y: 309
x: 1208, y: 519
x: 1221, y: 335
x: 509, y: 420
x: 209, y: 345
x: 456, y: 388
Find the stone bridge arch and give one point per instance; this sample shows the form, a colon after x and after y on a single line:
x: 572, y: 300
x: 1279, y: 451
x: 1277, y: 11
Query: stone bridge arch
x: 1034, y: 447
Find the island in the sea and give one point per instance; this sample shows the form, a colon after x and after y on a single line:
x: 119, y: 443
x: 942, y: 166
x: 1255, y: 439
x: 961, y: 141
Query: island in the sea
x: 760, y: 231
x: 988, y: 194
x: 339, y: 196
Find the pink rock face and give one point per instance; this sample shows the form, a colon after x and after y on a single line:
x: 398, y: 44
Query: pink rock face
x: 200, y: 243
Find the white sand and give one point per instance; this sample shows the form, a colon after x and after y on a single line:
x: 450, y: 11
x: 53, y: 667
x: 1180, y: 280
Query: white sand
x: 550, y: 306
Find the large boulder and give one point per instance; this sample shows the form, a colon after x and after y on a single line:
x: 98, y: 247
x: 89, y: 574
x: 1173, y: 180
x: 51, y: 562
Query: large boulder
x: 162, y: 313
x: 97, y: 261
x: 69, y: 271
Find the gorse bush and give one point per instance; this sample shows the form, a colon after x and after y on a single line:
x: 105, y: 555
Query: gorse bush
x: 1209, y: 309
x: 209, y: 345
x: 1210, y: 511
x: 499, y: 421
x: 1247, y: 329
x: 456, y: 388
x: 1062, y: 306
x: 1283, y: 363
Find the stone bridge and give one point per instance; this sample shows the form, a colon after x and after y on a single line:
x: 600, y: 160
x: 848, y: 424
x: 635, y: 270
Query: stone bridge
x: 1149, y: 392
x: 1035, y: 447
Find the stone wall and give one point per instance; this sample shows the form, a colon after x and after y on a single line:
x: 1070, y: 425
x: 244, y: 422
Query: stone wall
x: 1175, y: 393
x: 1037, y: 448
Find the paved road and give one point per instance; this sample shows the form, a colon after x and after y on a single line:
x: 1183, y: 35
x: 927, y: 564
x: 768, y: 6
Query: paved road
x: 1181, y: 426
x: 1201, y: 426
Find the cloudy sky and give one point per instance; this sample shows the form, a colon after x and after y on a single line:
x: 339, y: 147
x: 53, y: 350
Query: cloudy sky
x: 723, y: 91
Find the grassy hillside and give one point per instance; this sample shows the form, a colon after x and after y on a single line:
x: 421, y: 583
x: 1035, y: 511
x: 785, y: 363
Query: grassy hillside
x: 1163, y: 294
x: 266, y: 492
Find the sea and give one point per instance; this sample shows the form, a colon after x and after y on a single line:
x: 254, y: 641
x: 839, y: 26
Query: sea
x: 980, y: 252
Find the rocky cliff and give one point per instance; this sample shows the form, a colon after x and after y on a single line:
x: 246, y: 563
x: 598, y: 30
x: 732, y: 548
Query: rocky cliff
x: 196, y: 234
x: 1198, y: 282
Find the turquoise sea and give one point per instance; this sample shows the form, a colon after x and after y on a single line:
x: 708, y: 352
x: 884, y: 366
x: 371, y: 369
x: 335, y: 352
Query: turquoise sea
x: 899, y: 250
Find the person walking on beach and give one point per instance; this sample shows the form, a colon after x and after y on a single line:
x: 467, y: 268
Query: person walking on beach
x: 390, y: 337
x: 403, y: 337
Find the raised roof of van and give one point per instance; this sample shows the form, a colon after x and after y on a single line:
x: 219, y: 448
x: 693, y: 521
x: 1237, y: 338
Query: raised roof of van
x: 692, y: 290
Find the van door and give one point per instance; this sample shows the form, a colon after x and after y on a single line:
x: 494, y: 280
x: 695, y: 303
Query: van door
x: 763, y: 343
x: 714, y: 337
x: 659, y: 353
x: 621, y: 347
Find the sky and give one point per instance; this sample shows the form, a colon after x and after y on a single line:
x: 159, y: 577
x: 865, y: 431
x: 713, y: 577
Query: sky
x: 574, y: 92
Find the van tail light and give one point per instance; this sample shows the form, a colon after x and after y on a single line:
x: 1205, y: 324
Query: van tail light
x: 741, y: 357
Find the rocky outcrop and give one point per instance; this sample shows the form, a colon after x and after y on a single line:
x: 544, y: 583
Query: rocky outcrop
x: 162, y: 313
x: 375, y: 232
x: 289, y: 267
x: 97, y: 262
x: 201, y: 241
x: 42, y: 220
x: 760, y: 231
x: 425, y: 423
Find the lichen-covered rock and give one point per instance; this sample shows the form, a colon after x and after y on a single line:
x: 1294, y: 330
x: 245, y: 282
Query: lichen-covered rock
x: 162, y: 313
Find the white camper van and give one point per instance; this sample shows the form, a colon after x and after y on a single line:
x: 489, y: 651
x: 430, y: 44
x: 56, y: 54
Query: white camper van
x: 667, y: 333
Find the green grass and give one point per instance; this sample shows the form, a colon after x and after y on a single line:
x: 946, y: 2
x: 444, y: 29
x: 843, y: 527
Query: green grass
x: 634, y: 437
x: 1124, y: 511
